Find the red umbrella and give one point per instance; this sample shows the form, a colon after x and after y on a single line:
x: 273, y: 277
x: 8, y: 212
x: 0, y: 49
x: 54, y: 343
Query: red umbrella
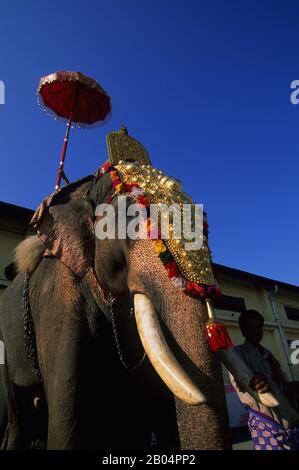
x: 77, y: 98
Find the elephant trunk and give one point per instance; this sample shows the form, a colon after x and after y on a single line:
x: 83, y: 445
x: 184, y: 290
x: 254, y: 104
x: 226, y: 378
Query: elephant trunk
x: 205, y: 426
x: 194, y: 434
x: 182, y: 321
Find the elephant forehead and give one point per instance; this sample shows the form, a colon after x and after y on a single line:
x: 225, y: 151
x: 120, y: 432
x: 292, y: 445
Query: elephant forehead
x: 185, y: 316
x: 148, y: 275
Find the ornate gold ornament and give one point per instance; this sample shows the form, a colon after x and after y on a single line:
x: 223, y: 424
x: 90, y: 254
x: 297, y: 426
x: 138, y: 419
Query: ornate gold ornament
x: 123, y: 147
x: 195, y: 265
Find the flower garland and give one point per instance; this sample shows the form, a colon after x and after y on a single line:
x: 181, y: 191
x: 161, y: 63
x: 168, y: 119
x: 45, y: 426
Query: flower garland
x: 191, y: 288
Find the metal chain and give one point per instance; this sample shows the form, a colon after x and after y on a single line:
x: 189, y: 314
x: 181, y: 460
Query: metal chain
x: 120, y: 354
x: 30, y: 337
x: 29, y: 329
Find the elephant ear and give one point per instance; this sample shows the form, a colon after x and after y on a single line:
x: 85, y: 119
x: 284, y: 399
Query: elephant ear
x: 65, y: 224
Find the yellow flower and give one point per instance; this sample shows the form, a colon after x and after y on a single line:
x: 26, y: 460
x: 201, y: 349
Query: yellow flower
x: 114, y: 175
x: 160, y: 246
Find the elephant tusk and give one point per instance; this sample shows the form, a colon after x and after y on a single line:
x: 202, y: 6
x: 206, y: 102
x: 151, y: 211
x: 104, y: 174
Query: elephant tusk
x: 242, y: 375
x: 160, y: 355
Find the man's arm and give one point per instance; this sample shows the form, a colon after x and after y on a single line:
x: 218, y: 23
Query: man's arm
x: 258, y: 383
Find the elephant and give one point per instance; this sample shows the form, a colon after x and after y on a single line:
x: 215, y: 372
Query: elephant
x: 75, y: 324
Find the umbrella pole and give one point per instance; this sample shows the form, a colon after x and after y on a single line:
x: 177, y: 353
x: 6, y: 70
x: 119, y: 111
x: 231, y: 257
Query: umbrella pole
x: 63, y: 153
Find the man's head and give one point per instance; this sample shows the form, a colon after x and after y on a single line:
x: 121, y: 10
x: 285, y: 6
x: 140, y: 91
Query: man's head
x: 251, y: 323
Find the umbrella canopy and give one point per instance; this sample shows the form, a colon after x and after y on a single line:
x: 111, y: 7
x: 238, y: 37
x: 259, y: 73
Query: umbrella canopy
x: 73, y: 93
x: 77, y: 98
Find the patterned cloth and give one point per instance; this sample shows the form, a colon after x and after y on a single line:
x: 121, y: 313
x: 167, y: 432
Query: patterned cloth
x: 268, y: 435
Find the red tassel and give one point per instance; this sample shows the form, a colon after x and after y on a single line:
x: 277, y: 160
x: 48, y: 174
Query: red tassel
x: 217, y: 336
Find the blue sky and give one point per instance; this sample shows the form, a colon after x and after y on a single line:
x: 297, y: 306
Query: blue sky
x: 205, y: 86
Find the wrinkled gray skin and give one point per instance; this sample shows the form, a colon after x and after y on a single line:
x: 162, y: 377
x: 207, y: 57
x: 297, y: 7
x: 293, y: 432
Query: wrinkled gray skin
x: 91, y: 400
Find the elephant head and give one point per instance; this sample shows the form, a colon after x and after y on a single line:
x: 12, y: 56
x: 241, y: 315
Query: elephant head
x: 133, y: 274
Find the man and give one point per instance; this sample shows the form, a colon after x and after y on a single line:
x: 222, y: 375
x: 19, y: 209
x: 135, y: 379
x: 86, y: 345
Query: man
x: 271, y: 428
